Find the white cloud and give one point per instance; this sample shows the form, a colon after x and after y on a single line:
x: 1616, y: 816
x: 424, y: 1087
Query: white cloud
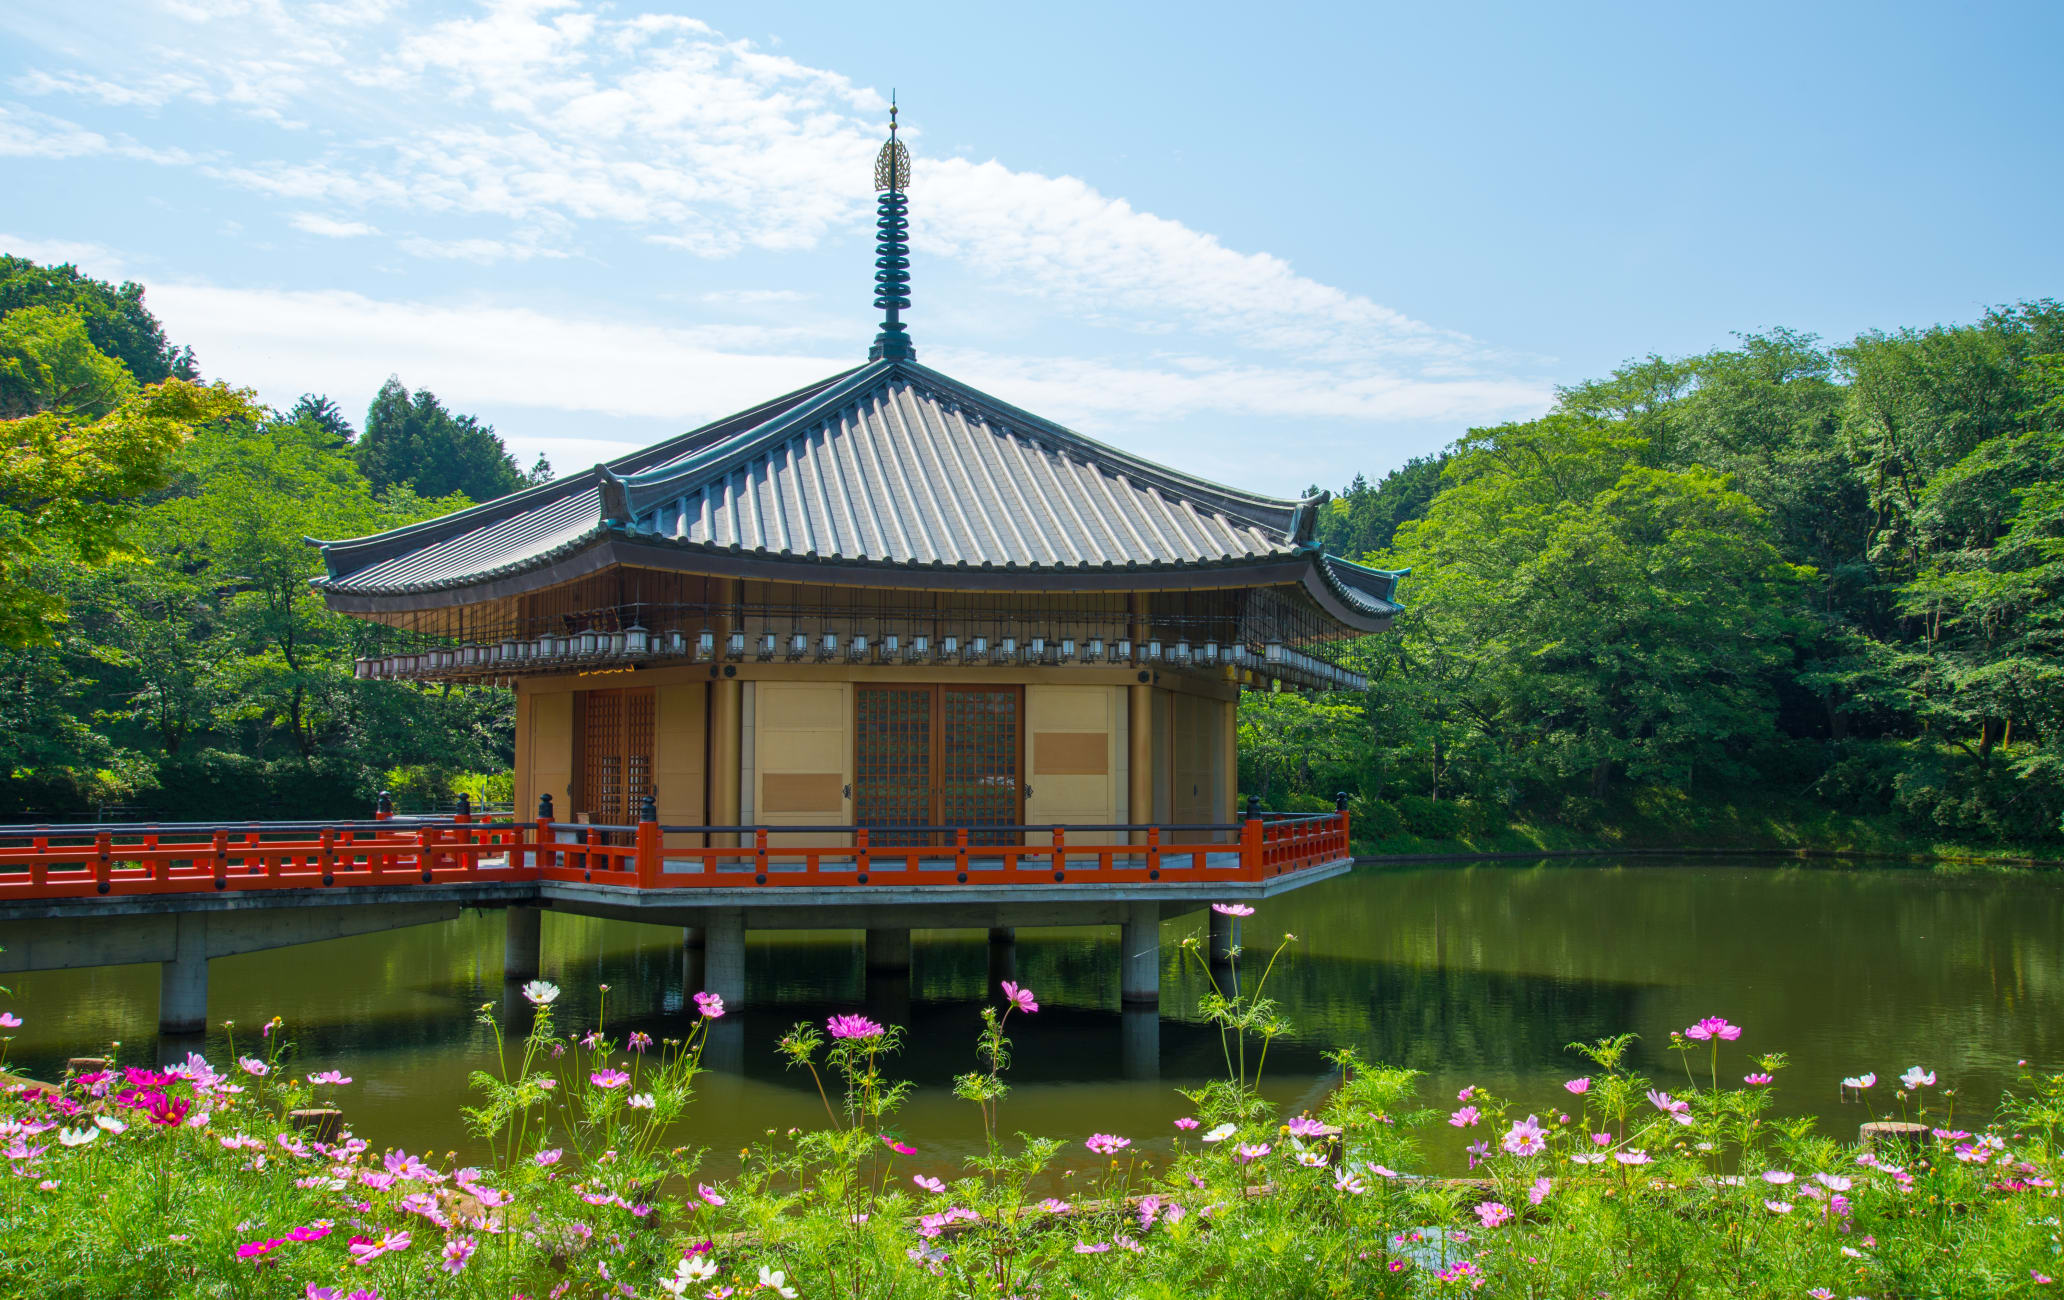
x: 315, y: 223
x: 94, y: 259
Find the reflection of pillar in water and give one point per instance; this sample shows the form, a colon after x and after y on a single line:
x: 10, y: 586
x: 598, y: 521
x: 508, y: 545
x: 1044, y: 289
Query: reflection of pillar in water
x: 517, y: 1012
x: 691, y: 974
x: 723, y: 947
x: 1003, y: 956
x: 1139, y: 955
x: 1225, y: 936
x: 1140, y: 1049
x: 523, y: 944
x: 888, y: 951
x: 888, y: 997
x: 725, y: 1049
x: 173, y: 1048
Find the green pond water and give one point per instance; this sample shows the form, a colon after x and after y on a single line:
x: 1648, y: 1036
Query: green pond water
x: 1477, y: 974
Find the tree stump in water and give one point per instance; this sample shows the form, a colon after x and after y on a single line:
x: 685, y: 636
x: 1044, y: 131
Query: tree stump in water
x: 1894, y: 1138
x: 324, y: 1124
x: 78, y: 1065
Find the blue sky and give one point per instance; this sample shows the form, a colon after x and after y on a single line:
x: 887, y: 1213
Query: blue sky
x: 1273, y: 246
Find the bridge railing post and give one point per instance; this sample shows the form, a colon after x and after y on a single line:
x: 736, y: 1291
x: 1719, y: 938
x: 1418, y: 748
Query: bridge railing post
x: 328, y: 857
x: 103, y: 865
x: 860, y: 849
x: 467, y: 853
x: 221, y: 863
x: 426, y: 851
x: 1251, y: 845
x: 1153, y: 848
x: 1060, y: 852
x: 648, y: 843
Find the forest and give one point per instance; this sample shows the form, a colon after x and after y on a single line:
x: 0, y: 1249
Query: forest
x: 1815, y: 581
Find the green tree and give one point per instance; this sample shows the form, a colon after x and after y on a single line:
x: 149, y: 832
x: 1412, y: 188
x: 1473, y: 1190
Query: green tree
x: 116, y: 320
x: 414, y: 440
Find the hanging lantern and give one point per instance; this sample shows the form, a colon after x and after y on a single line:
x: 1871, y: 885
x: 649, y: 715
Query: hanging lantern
x: 919, y: 647
x: 949, y: 648
x: 856, y: 649
x: 1067, y: 649
x: 636, y: 639
x: 590, y: 641
x: 827, y: 646
x: 734, y: 646
x: 705, y: 646
x: 1095, y: 653
x: 1035, y: 650
x: 766, y: 650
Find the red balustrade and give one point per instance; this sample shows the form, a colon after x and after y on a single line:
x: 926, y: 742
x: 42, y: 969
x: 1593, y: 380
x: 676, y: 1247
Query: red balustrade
x: 117, y: 861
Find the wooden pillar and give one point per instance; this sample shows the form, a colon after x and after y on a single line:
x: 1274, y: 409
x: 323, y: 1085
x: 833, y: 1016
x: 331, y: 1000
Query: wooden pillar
x: 1140, y: 769
x: 1229, y: 803
x: 725, y: 712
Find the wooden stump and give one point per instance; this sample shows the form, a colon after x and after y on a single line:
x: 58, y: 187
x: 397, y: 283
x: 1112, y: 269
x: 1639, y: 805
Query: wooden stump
x: 85, y: 1065
x: 324, y: 1124
x: 1895, y: 1138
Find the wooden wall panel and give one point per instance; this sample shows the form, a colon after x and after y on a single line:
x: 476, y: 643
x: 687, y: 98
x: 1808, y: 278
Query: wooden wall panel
x: 1062, y: 724
x: 802, y: 739
x: 679, y: 765
x: 1196, y: 755
x: 544, y: 753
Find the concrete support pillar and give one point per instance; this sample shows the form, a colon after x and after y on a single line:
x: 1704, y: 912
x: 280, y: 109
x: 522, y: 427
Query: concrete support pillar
x: 691, y: 936
x: 888, y: 951
x: 723, y: 973
x: 1003, y: 955
x: 523, y: 945
x: 183, y: 981
x: 1139, y: 955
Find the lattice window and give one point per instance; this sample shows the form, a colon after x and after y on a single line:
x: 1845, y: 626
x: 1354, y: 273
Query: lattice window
x: 979, y: 760
x: 892, y: 776
x: 617, y: 754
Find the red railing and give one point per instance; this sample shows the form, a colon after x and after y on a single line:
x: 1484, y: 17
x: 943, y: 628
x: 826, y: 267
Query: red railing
x: 107, y: 860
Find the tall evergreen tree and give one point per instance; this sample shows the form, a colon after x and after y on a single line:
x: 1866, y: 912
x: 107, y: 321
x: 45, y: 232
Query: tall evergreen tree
x: 413, y: 439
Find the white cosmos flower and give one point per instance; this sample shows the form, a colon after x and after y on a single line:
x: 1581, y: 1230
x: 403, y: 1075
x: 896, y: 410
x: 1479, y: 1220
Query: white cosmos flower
x: 77, y: 1137
x: 1916, y: 1077
x: 1221, y: 1133
x: 640, y: 1101
x: 776, y: 1281
x: 110, y: 1123
x: 540, y: 992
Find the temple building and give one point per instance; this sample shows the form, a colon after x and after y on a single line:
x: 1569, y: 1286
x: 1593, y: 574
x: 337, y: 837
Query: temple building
x: 887, y: 601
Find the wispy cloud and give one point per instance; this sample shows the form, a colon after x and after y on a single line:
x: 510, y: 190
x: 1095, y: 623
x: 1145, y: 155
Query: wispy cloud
x: 315, y: 223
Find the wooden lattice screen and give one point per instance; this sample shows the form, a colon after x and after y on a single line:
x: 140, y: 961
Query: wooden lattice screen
x: 616, y: 754
x: 937, y: 755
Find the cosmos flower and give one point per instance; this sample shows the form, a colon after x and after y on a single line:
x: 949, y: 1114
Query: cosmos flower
x: 1089, y: 1248
x: 1538, y: 1192
x: 456, y: 1252
x: 76, y: 1137
x: 1493, y: 1213
x: 1579, y: 1086
x: 1465, y: 1117
x: 254, y: 1067
x: 1778, y: 1207
x: 709, y: 1194
x: 897, y: 1147
x: 259, y: 1249
x: 1526, y: 1138
x: 1019, y: 996
x: 9, y: 1020
x: 640, y: 1040
x: 1107, y: 1144
x: 1248, y: 1153
x: 335, y: 1077
x: 1632, y: 1157
x: 1346, y: 1182
x: 1778, y: 1177
x: 1232, y: 909
x: 1861, y: 1081
x: 851, y: 1026
x: 1713, y: 1027
x: 1186, y: 1123
x: 773, y: 1279
x: 609, y: 1078
x: 550, y: 1157
x: 641, y: 1101
x: 1221, y: 1133
x: 710, y: 1005
x: 540, y: 993
x: 928, y: 1183
x: 1916, y: 1078
x: 1756, y: 1080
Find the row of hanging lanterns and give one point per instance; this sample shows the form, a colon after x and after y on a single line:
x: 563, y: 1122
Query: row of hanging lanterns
x: 1276, y: 664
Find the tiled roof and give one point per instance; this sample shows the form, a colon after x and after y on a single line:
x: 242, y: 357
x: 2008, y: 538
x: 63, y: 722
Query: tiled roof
x: 892, y: 465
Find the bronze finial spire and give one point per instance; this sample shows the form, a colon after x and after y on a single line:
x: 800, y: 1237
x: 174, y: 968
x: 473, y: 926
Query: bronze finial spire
x: 892, y: 247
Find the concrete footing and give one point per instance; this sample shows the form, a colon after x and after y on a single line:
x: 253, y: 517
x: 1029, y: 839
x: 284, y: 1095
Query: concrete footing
x: 1139, y: 956
x: 723, y: 954
x: 888, y: 951
x: 523, y: 944
x: 183, y: 981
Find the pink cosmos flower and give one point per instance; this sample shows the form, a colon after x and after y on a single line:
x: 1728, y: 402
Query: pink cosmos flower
x: 1054, y: 1205
x: 259, y: 1249
x: 335, y: 1077
x: 1538, y: 1192
x: 1778, y: 1207
x: 1632, y: 1157
x: 609, y: 1078
x: 1106, y: 1144
x: 853, y: 1027
x: 932, y: 1185
x: 1248, y: 1153
x: 1232, y: 909
x: 710, y: 1005
x: 1756, y: 1080
x: 1579, y: 1086
x: 1464, y: 1118
x: 9, y: 1020
x: 1304, y: 1126
x: 1526, y: 1138
x: 897, y: 1147
x: 1186, y: 1123
x: 1492, y: 1213
x: 456, y: 1252
x: 1346, y: 1182
x: 709, y: 1194
x: 311, y: 1232
x: 1019, y: 996
x: 1713, y: 1027
x: 254, y: 1067
x: 2040, y: 1279
x: 550, y: 1157
x: 1086, y: 1248
x: 1466, y: 1093
x: 640, y: 1041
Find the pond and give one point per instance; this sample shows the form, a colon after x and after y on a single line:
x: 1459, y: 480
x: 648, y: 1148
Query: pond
x: 1474, y: 974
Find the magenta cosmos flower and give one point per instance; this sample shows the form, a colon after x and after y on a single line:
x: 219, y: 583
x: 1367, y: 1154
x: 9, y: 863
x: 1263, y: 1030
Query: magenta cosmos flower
x: 1186, y: 1123
x: 854, y: 1027
x: 1493, y: 1213
x: 1526, y: 1138
x: 1579, y: 1086
x: 709, y: 1004
x: 1019, y: 996
x: 1107, y: 1144
x: 609, y: 1078
x: 1713, y: 1027
x: 897, y: 1147
x: 1232, y: 909
x: 336, y: 1077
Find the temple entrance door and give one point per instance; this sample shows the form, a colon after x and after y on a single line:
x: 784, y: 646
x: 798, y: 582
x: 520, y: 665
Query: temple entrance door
x: 616, y: 754
x: 938, y: 756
